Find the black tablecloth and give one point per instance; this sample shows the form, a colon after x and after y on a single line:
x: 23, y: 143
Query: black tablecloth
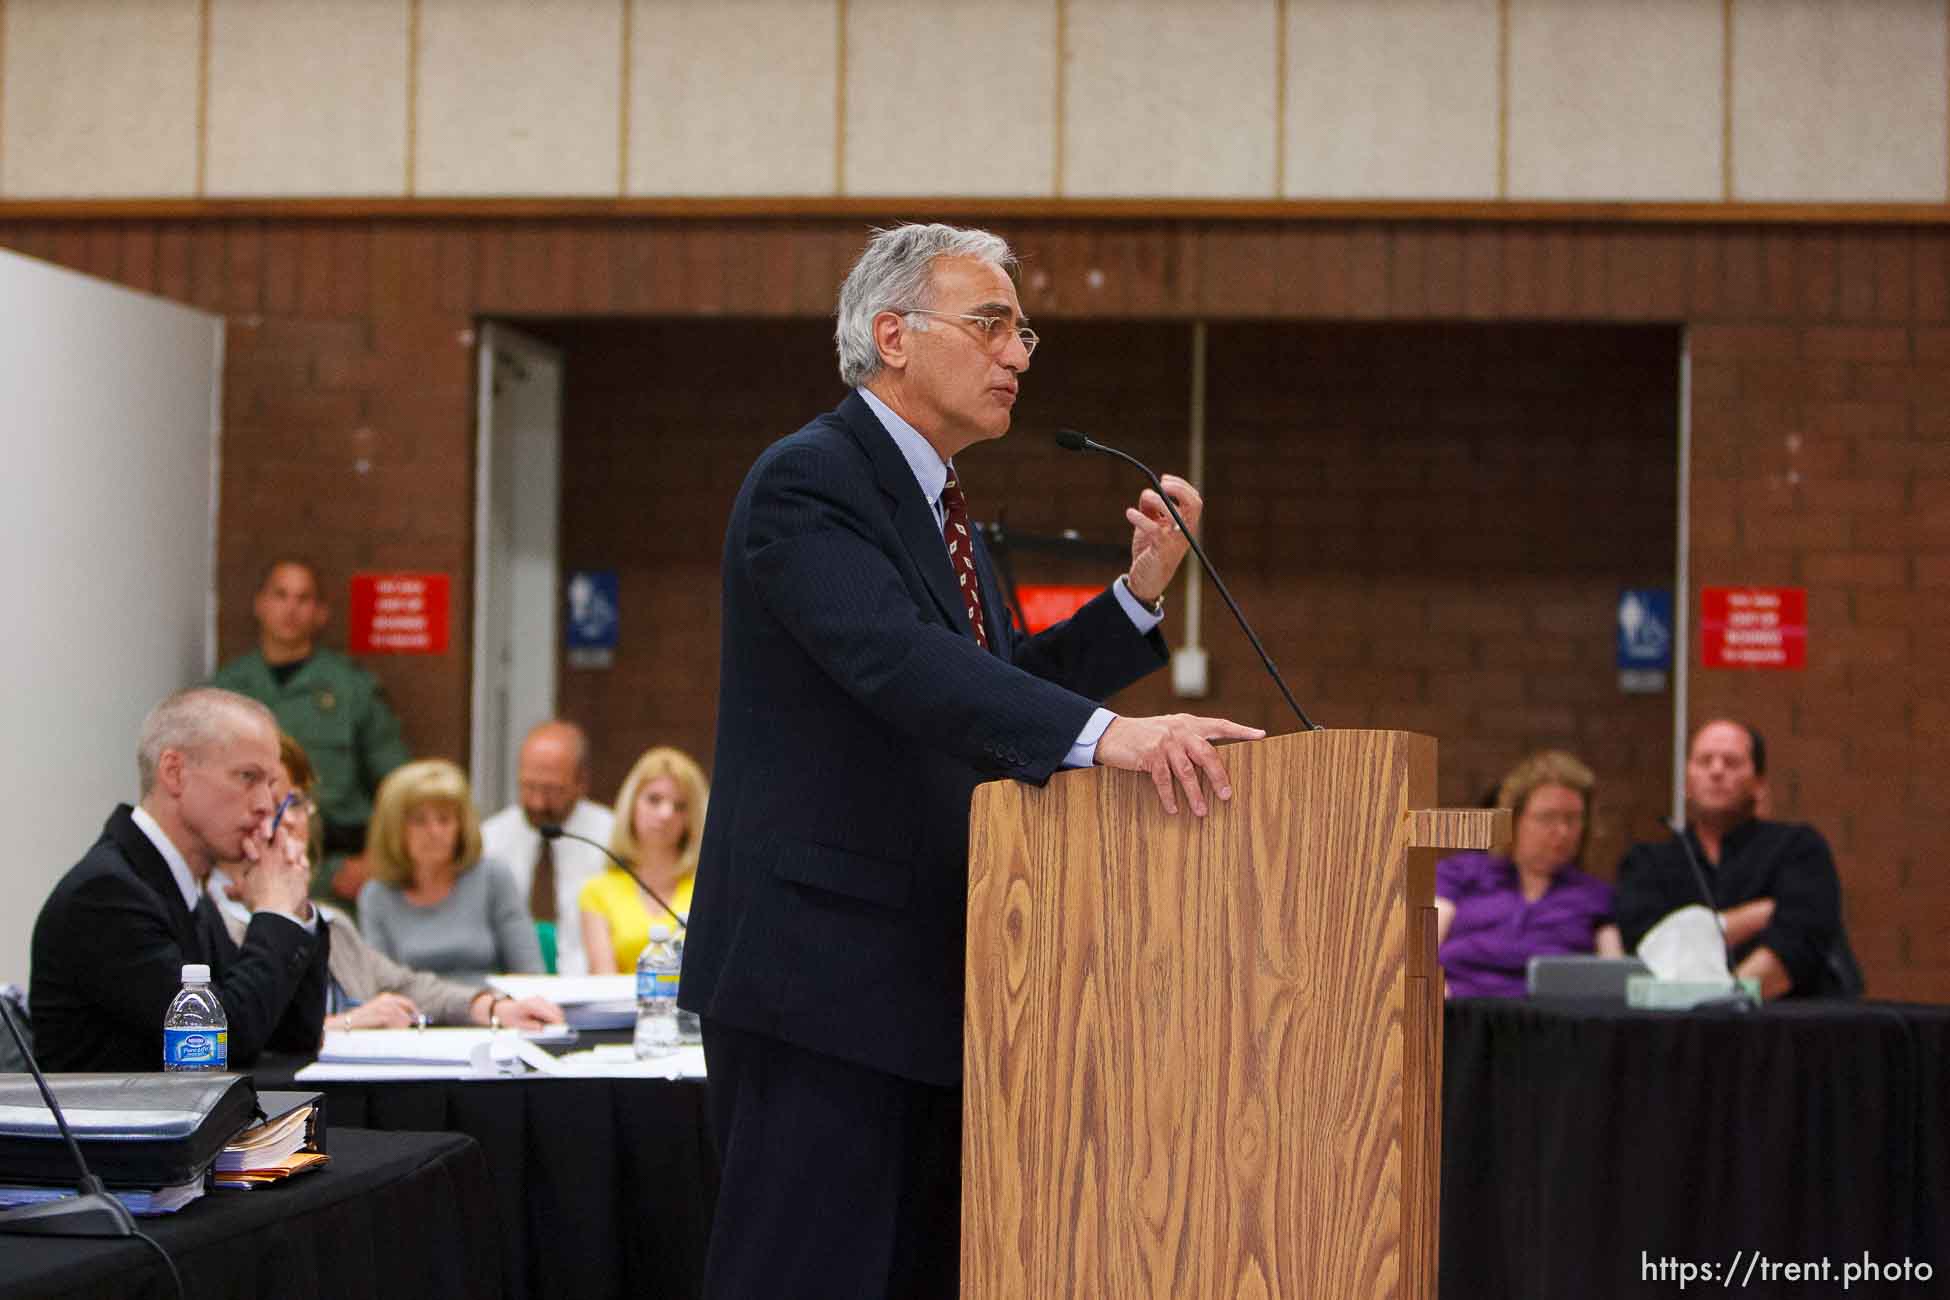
x: 605, y: 1186
x: 403, y: 1215
x: 1584, y: 1146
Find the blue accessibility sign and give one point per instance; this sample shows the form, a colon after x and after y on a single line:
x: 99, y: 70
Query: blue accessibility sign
x: 1645, y: 629
x: 591, y: 616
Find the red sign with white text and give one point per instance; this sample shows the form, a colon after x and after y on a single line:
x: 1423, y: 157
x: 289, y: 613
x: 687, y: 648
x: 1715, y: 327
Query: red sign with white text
x: 1753, y: 627
x: 1047, y: 605
x: 398, y: 614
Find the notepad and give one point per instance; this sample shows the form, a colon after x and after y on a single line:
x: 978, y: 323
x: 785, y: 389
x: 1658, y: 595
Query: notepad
x: 444, y: 1046
x: 587, y: 1001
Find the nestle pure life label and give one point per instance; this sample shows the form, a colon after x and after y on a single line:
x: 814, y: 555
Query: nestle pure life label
x: 196, y: 1049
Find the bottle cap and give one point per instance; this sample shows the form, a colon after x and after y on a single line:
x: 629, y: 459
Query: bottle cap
x: 659, y: 934
x: 196, y: 974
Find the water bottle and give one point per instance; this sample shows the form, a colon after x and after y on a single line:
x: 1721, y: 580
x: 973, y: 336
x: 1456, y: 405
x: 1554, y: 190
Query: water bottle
x: 196, y: 1036
x: 656, y: 995
x: 689, y: 1029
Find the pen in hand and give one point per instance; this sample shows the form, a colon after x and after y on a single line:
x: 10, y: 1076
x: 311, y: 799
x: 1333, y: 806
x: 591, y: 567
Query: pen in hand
x: 284, y: 805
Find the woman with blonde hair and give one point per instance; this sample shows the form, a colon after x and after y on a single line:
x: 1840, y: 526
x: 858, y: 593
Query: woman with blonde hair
x: 659, y: 822
x: 1497, y: 910
x: 370, y: 990
x: 433, y: 902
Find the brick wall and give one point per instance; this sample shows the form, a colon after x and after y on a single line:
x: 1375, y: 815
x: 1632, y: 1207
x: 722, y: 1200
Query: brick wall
x: 1821, y: 457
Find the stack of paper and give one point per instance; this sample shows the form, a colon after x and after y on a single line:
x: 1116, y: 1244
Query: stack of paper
x: 588, y: 1001
x: 139, y: 1200
x: 264, y: 1145
x: 431, y: 1053
x: 618, y: 1061
x: 296, y: 1163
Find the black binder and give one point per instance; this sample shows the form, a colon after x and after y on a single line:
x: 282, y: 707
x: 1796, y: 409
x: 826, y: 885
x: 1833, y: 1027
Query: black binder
x: 136, y: 1130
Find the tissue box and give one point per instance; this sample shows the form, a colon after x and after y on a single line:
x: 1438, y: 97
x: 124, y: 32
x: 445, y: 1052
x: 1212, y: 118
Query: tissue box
x: 1649, y: 992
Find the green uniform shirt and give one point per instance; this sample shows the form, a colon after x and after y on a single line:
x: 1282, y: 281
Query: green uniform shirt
x: 338, y: 712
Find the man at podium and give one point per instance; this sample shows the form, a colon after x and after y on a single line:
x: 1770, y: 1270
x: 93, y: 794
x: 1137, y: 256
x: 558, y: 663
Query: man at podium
x: 869, y: 680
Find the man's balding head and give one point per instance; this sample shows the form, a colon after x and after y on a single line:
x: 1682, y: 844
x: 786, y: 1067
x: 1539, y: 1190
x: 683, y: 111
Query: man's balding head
x: 553, y: 772
x: 1725, y: 768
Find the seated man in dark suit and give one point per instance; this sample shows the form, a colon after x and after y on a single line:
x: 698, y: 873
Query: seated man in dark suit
x: 1773, y: 882
x: 112, y: 939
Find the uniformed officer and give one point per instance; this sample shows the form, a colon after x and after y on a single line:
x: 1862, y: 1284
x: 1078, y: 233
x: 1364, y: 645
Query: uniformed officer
x: 331, y: 706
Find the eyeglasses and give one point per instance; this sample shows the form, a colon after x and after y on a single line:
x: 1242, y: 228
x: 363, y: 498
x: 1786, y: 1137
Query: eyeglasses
x: 994, y: 330
x: 1568, y: 820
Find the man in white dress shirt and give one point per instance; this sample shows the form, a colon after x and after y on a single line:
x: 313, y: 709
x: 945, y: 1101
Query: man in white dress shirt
x: 552, y: 781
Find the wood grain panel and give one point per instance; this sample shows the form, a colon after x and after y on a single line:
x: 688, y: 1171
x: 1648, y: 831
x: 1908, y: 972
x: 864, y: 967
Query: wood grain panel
x: 1457, y: 828
x: 1187, y: 1041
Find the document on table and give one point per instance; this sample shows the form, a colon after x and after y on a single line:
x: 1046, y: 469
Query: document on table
x: 443, y: 1046
x: 618, y: 1061
x: 589, y: 1001
x: 432, y: 1054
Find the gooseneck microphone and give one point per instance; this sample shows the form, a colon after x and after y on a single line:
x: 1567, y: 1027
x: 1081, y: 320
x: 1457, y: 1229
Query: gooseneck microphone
x: 561, y: 833
x: 91, y: 1213
x: 1740, y: 999
x: 1071, y: 440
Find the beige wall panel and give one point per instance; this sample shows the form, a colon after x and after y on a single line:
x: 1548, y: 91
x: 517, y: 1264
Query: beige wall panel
x: 100, y: 99
x: 944, y: 98
x: 1615, y: 101
x: 1166, y: 98
x: 307, y: 98
x: 1391, y: 101
x: 1834, y: 101
x: 733, y: 96
x: 519, y: 97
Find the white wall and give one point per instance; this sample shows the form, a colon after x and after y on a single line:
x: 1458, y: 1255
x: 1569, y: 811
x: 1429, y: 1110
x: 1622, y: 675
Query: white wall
x: 107, y: 506
x: 1700, y: 100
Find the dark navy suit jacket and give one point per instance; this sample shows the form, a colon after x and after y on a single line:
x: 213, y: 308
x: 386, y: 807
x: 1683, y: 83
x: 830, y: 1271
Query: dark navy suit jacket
x: 109, y: 949
x: 856, y: 714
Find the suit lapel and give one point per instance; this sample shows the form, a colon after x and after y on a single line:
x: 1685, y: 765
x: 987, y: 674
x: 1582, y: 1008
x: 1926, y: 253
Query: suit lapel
x: 913, y: 520
x: 152, y: 871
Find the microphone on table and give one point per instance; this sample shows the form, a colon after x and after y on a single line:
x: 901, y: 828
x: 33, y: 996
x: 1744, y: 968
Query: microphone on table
x: 562, y: 833
x: 1071, y: 440
x: 93, y: 1212
x: 1740, y: 999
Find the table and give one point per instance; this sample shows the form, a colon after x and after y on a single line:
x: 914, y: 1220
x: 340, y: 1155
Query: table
x: 606, y: 1186
x: 1583, y: 1145
x: 1579, y: 1143
x: 403, y: 1215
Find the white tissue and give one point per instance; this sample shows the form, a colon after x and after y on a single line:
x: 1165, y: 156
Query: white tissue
x: 1687, y: 945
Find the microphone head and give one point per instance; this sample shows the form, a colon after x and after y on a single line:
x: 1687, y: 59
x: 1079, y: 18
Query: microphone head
x: 1071, y: 440
x: 550, y: 832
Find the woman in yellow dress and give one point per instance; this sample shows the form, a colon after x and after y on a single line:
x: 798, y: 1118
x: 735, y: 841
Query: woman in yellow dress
x: 659, y: 821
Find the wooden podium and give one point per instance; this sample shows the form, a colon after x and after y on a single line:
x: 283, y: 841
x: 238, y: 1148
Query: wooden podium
x: 1204, y: 1058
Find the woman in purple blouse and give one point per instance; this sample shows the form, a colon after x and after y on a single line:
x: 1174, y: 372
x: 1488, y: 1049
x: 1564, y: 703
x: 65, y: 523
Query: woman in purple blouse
x: 1495, y: 911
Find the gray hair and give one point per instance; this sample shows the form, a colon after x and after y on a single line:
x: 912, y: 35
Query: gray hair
x: 895, y: 272
x: 191, y: 721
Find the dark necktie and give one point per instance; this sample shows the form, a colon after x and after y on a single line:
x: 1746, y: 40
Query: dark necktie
x: 206, y: 923
x: 961, y: 555
x: 541, y: 887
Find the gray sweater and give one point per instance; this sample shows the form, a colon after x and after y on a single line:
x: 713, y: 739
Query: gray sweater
x: 480, y: 928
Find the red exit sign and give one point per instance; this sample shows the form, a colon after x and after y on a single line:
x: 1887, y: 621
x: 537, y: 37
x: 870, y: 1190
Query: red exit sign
x: 398, y: 614
x: 1048, y: 604
x: 1753, y: 627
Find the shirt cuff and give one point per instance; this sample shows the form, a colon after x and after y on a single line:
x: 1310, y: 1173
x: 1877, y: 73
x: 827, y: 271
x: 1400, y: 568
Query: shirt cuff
x: 1084, y: 752
x: 1140, y: 615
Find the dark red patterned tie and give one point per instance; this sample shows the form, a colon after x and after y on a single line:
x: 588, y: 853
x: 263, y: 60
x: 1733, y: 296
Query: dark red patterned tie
x: 961, y: 555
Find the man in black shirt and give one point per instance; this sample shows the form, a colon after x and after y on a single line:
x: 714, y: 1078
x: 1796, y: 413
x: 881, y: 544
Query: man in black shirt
x: 1774, y: 882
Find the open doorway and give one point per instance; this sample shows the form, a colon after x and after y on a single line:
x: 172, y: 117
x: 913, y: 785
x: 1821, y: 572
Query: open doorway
x: 517, y: 502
